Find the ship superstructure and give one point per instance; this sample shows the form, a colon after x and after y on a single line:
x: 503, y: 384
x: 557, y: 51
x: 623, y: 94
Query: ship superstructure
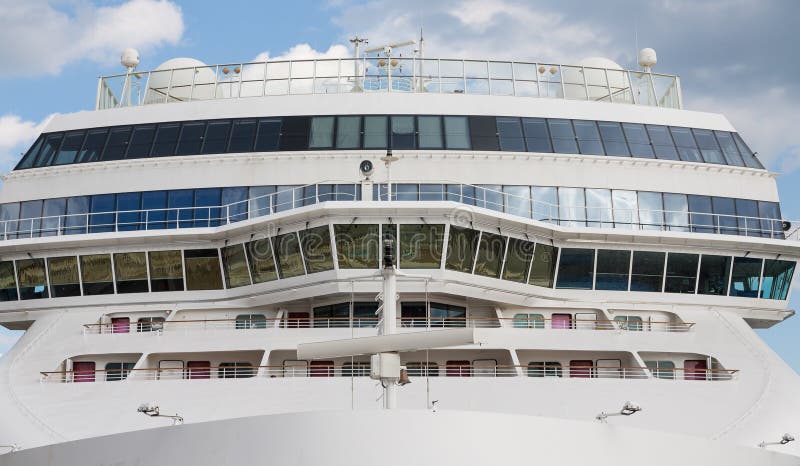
x: 565, y: 243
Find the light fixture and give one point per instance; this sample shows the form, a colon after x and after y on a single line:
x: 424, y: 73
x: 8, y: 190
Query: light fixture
x: 783, y: 441
x: 152, y: 410
x: 628, y: 409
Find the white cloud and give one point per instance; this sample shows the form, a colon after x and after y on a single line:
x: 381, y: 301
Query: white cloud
x: 16, y: 135
x: 38, y: 37
x: 306, y: 52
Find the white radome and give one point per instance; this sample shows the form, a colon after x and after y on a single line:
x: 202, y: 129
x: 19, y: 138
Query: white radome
x: 189, y: 77
x: 647, y: 58
x: 600, y: 62
x: 130, y: 58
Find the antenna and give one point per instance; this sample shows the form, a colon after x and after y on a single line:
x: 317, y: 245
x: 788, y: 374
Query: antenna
x: 357, y: 41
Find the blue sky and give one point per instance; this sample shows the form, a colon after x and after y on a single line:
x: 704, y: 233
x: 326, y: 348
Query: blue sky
x: 735, y: 57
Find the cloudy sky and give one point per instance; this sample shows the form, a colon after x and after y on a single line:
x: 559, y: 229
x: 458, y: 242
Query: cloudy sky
x: 736, y: 57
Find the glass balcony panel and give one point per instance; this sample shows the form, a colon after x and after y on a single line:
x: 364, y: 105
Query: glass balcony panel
x: 500, y: 70
x: 276, y: 87
x: 278, y: 70
x: 252, y: 89
x: 666, y: 91
x: 575, y: 91
x: 595, y: 76
x: 157, y: 87
x: 599, y: 93
x: 524, y: 71
x: 642, y: 88
x: 502, y: 87
x: 302, y: 69
x: 572, y: 75
x: 478, y: 86
x: 451, y: 68
x: 301, y: 86
x: 476, y: 69
x: 452, y: 85
x: 326, y: 68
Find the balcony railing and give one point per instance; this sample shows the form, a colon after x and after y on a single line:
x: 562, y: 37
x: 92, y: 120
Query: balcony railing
x: 471, y: 195
x: 371, y: 322
x: 403, y: 75
x: 362, y: 370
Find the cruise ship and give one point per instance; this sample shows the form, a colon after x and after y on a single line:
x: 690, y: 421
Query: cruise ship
x: 305, y: 262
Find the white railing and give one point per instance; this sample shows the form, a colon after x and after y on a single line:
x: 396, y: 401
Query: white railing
x: 362, y: 370
x: 405, y: 75
x: 471, y: 195
x: 532, y: 323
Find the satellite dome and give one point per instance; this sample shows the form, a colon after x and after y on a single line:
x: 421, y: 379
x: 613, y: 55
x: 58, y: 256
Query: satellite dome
x: 190, y: 79
x: 600, y: 62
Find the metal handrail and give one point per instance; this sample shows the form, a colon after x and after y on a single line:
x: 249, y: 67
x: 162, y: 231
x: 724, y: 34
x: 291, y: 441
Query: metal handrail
x: 361, y: 369
x: 268, y: 204
x: 367, y: 74
x: 369, y: 322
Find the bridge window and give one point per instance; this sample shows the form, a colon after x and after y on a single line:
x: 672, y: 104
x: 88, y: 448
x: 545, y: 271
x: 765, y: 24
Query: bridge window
x: 420, y: 246
x: 613, y: 138
x: 235, y: 266
x: 260, y: 258
x: 613, y: 269
x: 8, y: 282
x: 267, y: 137
x: 777, y: 279
x: 321, y: 133
x: 202, y: 269
x: 588, y: 137
x: 714, y: 274
x: 510, y: 132
x: 290, y: 261
x: 295, y: 133
x: 375, y: 132
x: 746, y: 277
x: 348, y: 132
x: 166, y: 139
x: 131, y: 272
x: 317, y: 252
x: 32, y: 279
x: 166, y: 271
x: 681, y: 273
x: 518, y: 260
x: 537, y: 138
x: 576, y: 269
x: 647, y: 273
x: 544, y: 265
x: 96, y: 274
x: 64, y: 280
x: 456, y: 132
x: 216, y: 138
x: 491, y: 250
x: 403, y: 136
x: 357, y: 246
x: 430, y: 132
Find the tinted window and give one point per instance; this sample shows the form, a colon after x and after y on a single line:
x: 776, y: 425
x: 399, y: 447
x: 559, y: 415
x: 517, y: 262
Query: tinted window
x: 178, y: 202
x: 216, y: 139
x: 49, y: 149
x: 491, y: 249
x: 750, y: 159
x: 375, y: 134
x: 575, y: 269
x: 663, y: 145
x: 191, y: 139
x: 588, y: 137
x: 725, y: 215
x: 166, y: 271
x: 681, y: 273
x: 510, y: 131
x: 93, y: 145
x: 544, y: 265
x: 709, y: 148
x: 563, y: 136
x: 699, y: 206
x: 117, y: 143
x: 648, y: 271
x: 166, y: 139
x: 127, y: 221
x: 295, y: 133
x: 202, y: 269
x: 269, y: 133
x: 613, y: 139
x: 75, y: 222
x: 745, y: 277
x: 714, y: 274
x: 141, y: 141
x: 69, y: 148
x: 156, y: 220
x: 30, y: 157
x: 518, y: 259
x: 613, y: 268
x: 430, y: 132
x: 420, y: 246
x: 100, y: 222
x: 456, y: 132
x: 537, y: 138
x: 348, y: 132
x: 729, y: 149
x: 242, y: 136
x: 321, y: 132
x: 687, y: 147
x: 403, y: 132
x: 207, y: 197
x: 777, y: 279
x: 638, y: 141
x: 483, y: 133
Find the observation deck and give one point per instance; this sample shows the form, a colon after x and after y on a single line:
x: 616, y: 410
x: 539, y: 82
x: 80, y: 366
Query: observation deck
x: 404, y: 75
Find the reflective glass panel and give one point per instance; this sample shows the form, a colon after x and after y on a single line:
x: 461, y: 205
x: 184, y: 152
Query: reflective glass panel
x: 234, y: 266
x: 421, y: 246
x: 202, y: 269
x: 729, y: 149
x: 676, y: 212
x: 777, y: 279
x: 242, y: 136
x: 317, y: 252
x: 96, y: 274
x: 491, y: 249
x: 537, y: 138
x: 626, y: 210
x: 613, y: 138
x: 544, y: 265
x: 357, y: 246
x: 8, y: 282
x: 483, y: 133
x: 575, y: 269
x: 461, y: 246
x: 430, y: 132
x: 613, y: 268
x: 571, y: 207
x: 510, y: 131
x: 93, y: 145
x: 375, y: 132
x: 709, y: 148
x: 651, y: 210
x: 141, y: 141
x: 295, y: 133
x: 262, y: 263
x: 64, y: 280
x: 321, y: 133
x: 518, y: 260
x: 647, y: 272
x: 750, y: 159
x: 216, y: 139
x: 700, y: 214
x: 598, y: 208
x: 69, y: 148
x: 166, y: 139
x: 53, y: 211
x: 403, y: 132
x: 563, y: 136
x: 588, y: 137
x: 638, y: 140
x: 681, y: 273
x: 290, y: 260
x: 725, y: 215
x: 130, y: 269
x: 117, y: 143
x: 456, y: 132
x: 687, y: 147
x: 268, y: 135
x: 32, y: 279
x: 348, y: 132
x: 745, y: 277
x: 714, y: 274
x: 76, y: 220
x: 166, y: 271
x: 153, y: 201
x: 663, y: 145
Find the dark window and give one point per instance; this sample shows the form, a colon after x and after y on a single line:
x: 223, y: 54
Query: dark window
x: 777, y: 279
x: 236, y: 200
x: 537, y: 138
x: 166, y: 139
x: 375, y: 132
x: 613, y: 268
x: 563, y: 136
x: 700, y: 214
x: 768, y: 211
x: 130, y: 271
x: 647, y: 272
x: 269, y: 135
x: 461, y: 247
x: 202, y: 269
x: 348, y: 132
x: 32, y: 279
x: 491, y: 249
x: 663, y: 145
x: 191, y: 139
x: 447, y: 315
x: 613, y: 139
x: 638, y: 141
x: 69, y: 148
x: 166, y: 271
x: 117, y: 143
x: 93, y: 145
x: 544, y: 265
x: 116, y: 371
x: 747, y: 221
x: 295, y: 133
x: 714, y: 274
x: 745, y: 277
x: 261, y: 260
x: 317, y: 253
x: 681, y: 273
x: 30, y: 157
x: 96, y: 275
x: 206, y: 211
x: 242, y: 136
x: 180, y: 213
x: 216, y: 139
x: 750, y: 159
x: 100, y: 221
x: 687, y: 147
x: 53, y: 212
x: 729, y: 149
x: 63, y: 273
x: 725, y: 215
x: 575, y: 269
x: 51, y: 144
x: 151, y: 201
x: 456, y: 132
x: 287, y: 249
x: 334, y: 315
x: 588, y: 137
x: 518, y: 260
x: 430, y: 132
x: 30, y: 214
x: 483, y: 133
x: 129, y: 221
x: 420, y: 246
x: 141, y: 141
x: 236, y: 370
x: 510, y: 131
x: 8, y: 282
x: 77, y: 219
x: 403, y: 132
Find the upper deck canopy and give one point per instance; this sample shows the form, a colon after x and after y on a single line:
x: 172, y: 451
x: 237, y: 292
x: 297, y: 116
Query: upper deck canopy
x: 349, y: 75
